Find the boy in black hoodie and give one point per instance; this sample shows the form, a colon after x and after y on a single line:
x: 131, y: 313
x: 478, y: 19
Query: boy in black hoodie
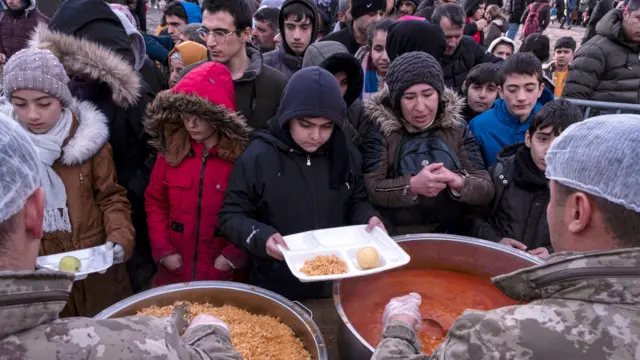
x: 481, y: 89
x: 298, y: 22
x: 517, y: 216
x: 301, y: 175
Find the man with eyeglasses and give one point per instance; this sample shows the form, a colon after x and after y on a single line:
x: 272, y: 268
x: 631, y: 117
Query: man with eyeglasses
x: 226, y: 29
x: 298, y: 21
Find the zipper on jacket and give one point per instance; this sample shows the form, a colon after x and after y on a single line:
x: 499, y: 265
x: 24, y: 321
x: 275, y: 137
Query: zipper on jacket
x: 81, y: 180
x: 308, y: 160
x: 30, y: 298
x: 200, y: 184
x: 585, y: 274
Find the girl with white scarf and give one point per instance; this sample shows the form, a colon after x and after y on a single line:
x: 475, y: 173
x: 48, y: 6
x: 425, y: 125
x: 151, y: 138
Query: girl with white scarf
x: 84, y: 206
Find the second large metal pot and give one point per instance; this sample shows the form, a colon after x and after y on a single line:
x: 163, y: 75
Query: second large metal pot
x: 217, y: 293
x: 429, y: 251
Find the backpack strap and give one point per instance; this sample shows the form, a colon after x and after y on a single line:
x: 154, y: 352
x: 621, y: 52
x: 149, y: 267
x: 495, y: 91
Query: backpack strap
x: 540, y: 7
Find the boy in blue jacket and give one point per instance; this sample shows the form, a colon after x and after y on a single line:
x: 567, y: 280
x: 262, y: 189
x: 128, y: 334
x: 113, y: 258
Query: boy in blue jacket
x: 508, y: 121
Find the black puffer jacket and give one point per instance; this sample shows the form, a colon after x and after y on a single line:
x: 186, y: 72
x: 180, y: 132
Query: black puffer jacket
x: 518, y: 210
x: 468, y: 54
x: 607, y: 68
x: 514, y: 10
x: 277, y: 187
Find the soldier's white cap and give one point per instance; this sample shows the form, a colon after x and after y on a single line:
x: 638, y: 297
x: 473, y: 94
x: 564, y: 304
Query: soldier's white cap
x: 19, y: 169
x: 600, y: 156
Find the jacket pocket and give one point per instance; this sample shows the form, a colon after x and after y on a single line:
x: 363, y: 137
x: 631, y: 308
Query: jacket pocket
x: 178, y: 189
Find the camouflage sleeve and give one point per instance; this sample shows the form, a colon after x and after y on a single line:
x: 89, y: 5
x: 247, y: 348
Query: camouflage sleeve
x: 211, y: 342
x: 480, y: 335
x: 399, y: 341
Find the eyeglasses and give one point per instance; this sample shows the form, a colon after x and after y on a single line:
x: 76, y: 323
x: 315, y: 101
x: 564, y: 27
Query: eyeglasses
x: 218, y: 35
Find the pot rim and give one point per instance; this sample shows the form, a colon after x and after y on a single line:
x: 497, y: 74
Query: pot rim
x: 299, y: 312
x: 427, y: 237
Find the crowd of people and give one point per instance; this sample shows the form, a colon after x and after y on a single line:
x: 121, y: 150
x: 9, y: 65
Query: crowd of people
x: 194, y: 151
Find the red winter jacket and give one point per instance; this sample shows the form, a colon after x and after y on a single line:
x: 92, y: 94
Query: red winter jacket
x: 177, y: 200
x: 16, y: 30
x: 186, y: 189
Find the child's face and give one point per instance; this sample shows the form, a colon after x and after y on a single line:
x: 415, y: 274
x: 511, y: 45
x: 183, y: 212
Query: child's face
x: 38, y: 111
x: 199, y: 130
x: 503, y: 51
x: 562, y: 57
x: 480, y: 97
x: 520, y: 93
x: 539, y: 143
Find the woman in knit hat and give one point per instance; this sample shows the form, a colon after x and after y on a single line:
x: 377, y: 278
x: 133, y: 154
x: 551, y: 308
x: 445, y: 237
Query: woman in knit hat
x: 183, y: 55
x: 198, y: 136
x: 84, y: 206
x: 421, y: 164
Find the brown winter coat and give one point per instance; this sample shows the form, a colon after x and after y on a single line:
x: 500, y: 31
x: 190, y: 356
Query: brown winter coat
x: 15, y: 29
x: 403, y: 213
x: 98, y: 209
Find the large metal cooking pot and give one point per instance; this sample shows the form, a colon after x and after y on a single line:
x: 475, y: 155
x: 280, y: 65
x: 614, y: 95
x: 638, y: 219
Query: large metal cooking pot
x: 433, y: 251
x: 253, y: 299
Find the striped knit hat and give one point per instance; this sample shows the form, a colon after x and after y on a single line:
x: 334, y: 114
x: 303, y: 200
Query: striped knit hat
x: 36, y: 69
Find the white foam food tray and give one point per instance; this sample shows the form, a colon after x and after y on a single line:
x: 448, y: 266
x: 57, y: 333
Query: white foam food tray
x: 343, y: 242
x: 92, y: 260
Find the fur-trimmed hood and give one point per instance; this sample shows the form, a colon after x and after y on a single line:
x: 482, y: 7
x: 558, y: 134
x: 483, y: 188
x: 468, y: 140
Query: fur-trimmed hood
x: 164, y: 123
x: 84, y: 58
x: 89, y: 133
x: 380, y: 112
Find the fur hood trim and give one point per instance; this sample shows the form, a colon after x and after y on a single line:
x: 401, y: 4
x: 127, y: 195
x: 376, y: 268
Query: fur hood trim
x: 164, y: 123
x: 380, y: 112
x: 91, y: 132
x: 81, y: 57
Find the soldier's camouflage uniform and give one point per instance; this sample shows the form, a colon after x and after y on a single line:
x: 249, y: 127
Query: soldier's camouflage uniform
x: 581, y: 306
x: 30, y: 329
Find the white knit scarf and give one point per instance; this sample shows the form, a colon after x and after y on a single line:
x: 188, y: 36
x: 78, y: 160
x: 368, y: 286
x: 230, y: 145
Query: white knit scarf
x: 49, y: 146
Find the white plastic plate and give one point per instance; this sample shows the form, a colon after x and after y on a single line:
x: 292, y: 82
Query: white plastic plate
x: 92, y: 260
x: 344, y: 242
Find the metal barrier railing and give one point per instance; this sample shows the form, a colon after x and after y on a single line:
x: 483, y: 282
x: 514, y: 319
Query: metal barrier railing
x: 592, y: 108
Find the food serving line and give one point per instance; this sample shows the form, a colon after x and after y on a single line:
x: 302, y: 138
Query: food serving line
x: 450, y: 272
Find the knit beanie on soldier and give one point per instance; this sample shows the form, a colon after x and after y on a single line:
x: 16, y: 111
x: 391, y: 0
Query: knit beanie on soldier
x: 360, y: 8
x: 36, y: 69
x: 411, y: 69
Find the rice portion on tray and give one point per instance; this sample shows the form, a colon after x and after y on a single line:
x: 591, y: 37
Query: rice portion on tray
x: 255, y: 337
x: 324, y: 265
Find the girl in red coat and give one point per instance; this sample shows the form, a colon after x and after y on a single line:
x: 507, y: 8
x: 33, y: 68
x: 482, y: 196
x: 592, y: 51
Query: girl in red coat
x: 198, y: 135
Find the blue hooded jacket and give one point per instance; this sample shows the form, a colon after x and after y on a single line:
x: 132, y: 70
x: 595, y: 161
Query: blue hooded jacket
x: 194, y: 13
x: 497, y: 128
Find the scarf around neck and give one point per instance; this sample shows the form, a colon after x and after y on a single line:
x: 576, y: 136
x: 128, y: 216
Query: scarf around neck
x: 49, y: 147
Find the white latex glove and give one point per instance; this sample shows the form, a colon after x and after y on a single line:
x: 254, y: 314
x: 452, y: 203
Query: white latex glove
x: 407, y: 306
x: 118, y: 251
x: 204, y: 319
